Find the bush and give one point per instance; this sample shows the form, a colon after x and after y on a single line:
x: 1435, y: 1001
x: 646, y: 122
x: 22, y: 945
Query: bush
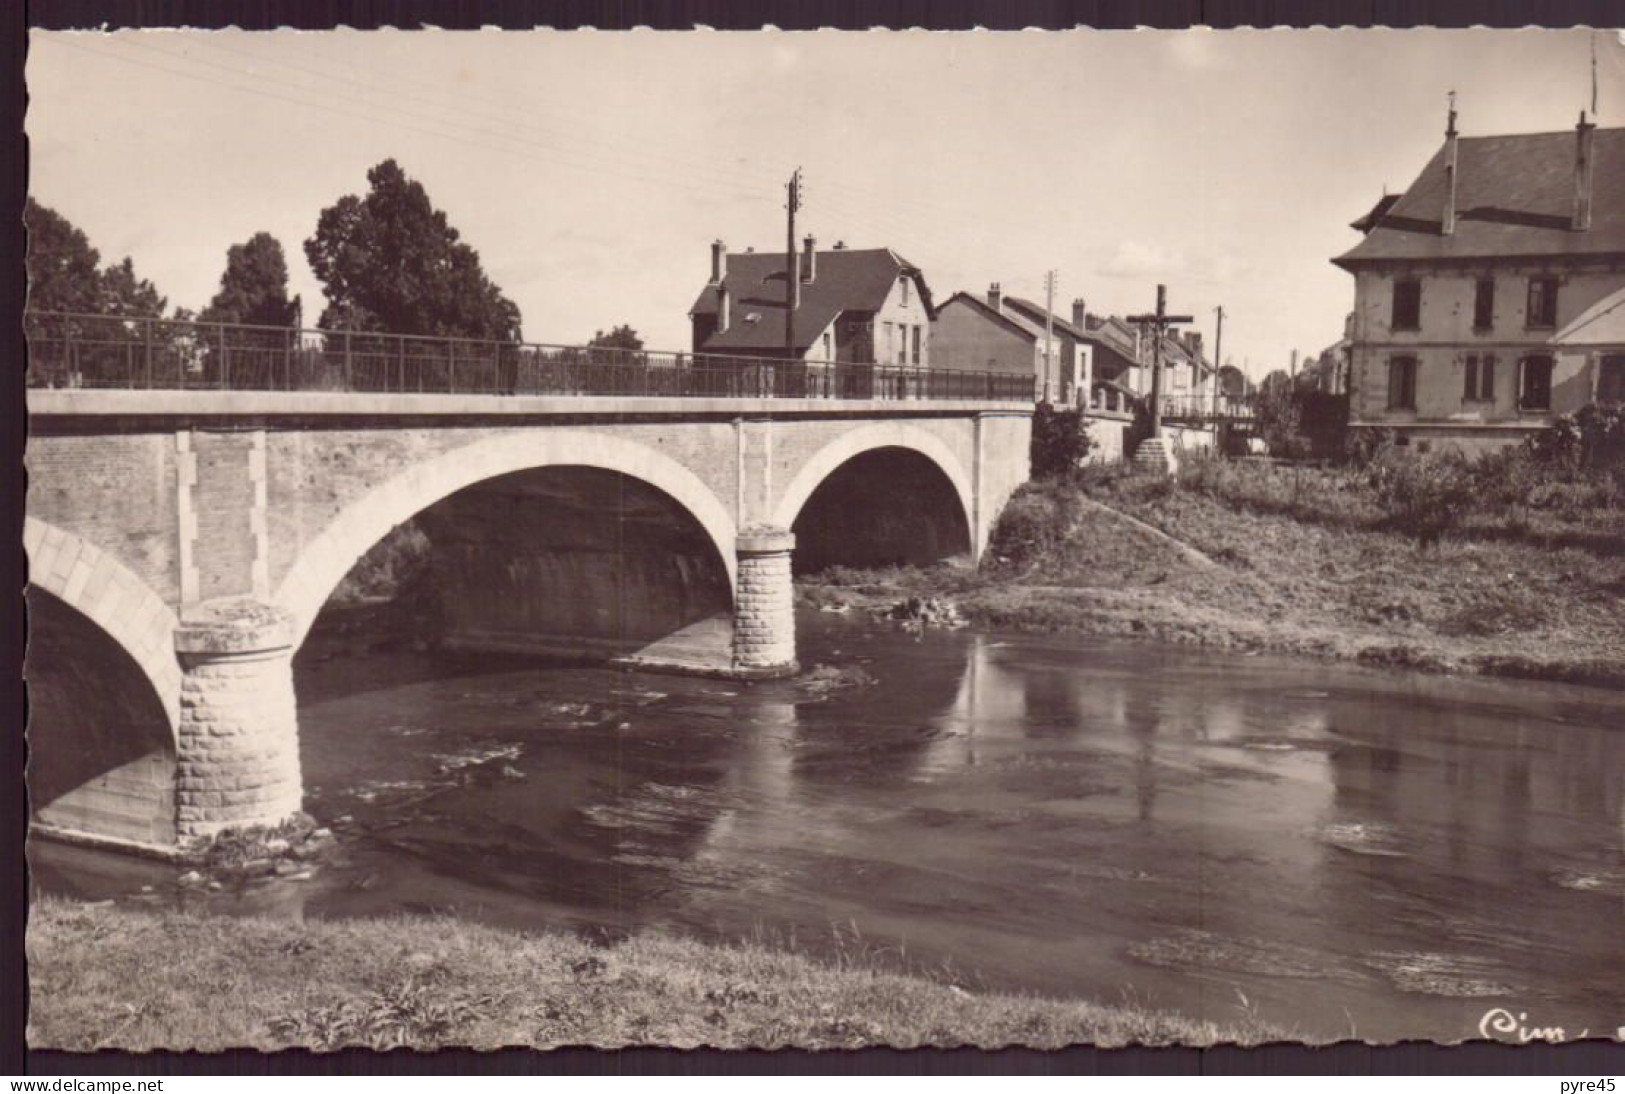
x: 1061, y: 441
x: 1592, y: 437
x: 1033, y: 523
x: 394, y: 568
x: 1423, y: 496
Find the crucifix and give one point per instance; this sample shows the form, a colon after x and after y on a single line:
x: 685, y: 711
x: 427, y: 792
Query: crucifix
x: 1158, y: 325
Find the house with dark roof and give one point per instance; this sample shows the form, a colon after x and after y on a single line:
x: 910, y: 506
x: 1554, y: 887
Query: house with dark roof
x: 975, y: 334
x: 1473, y: 288
x: 867, y: 307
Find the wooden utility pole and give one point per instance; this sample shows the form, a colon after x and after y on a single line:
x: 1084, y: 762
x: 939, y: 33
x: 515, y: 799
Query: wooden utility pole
x: 792, y: 276
x: 1158, y: 323
x: 1049, y: 336
x: 1218, y: 356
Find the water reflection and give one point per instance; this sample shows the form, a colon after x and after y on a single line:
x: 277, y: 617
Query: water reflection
x: 1385, y: 853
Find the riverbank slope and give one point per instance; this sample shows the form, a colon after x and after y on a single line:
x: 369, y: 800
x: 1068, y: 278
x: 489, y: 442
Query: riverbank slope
x: 1295, y: 560
x: 101, y: 976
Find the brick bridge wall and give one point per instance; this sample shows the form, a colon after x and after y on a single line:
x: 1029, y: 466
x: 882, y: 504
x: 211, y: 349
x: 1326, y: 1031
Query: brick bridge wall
x: 147, y: 509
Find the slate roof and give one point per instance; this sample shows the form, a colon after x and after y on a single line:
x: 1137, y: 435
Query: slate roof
x: 1012, y: 319
x: 1602, y: 324
x: 846, y: 281
x: 1514, y: 199
x: 1035, y: 313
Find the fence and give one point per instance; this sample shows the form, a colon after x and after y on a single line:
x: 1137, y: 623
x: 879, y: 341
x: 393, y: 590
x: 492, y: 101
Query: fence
x: 99, y: 351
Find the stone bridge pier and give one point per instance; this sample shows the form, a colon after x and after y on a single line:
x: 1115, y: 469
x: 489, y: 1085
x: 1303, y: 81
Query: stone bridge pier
x: 183, y: 544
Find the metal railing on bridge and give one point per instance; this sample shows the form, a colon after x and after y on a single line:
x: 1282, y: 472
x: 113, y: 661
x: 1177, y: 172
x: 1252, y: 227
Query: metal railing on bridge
x: 67, y: 350
x: 1206, y: 408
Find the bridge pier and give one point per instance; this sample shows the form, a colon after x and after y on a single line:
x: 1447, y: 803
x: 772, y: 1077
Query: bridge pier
x: 238, y: 742
x: 764, y: 642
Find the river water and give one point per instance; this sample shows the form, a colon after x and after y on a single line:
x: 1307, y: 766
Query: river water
x: 1340, y: 851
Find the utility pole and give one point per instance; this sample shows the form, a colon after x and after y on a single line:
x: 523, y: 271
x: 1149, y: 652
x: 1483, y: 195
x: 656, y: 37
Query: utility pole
x: 1049, y: 336
x: 1218, y: 356
x: 1158, y: 322
x: 792, y: 277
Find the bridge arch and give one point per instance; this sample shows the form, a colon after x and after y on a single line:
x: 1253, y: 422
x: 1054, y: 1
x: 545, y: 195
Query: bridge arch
x: 325, y: 560
x: 871, y: 438
x: 106, y: 592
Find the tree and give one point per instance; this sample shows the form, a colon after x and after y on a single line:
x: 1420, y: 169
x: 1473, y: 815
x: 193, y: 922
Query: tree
x: 254, y: 288
x: 390, y: 261
x: 622, y: 337
x: 125, y: 294
x: 1060, y: 441
x: 1233, y: 382
x: 64, y: 273
x: 62, y: 265
x: 1279, y: 416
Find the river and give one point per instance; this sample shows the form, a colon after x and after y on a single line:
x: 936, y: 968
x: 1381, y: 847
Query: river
x: 1341, y: 851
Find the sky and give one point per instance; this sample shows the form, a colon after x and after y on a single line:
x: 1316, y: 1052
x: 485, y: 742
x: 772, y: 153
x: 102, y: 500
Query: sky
x: 591, y: 170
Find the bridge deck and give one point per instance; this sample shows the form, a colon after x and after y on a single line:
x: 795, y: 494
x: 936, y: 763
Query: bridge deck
x: 91, y: 402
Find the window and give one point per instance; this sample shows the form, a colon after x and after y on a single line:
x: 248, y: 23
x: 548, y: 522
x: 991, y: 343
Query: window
x: 827, y: 347
x: 1479, y: 379
x: 1542, y: 310
x: 1535, y: 390
x: 1402, y: 383
x: 1611, y: 379
x: 902, y: 287
x: 1407, y: 305
x: 916, y: 343
x: 1484, y: 304
x: 902, y: 343
x: 891, y: 340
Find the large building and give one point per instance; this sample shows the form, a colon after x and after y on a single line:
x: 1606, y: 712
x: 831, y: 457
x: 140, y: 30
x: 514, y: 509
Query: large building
x: 1486, y: 295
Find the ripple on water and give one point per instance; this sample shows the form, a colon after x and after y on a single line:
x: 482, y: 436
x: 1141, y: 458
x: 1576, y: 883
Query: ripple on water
x: 1361, y: 838
x: 1608, y: 880
x: 1451, y: 975
x: 1196, y: 950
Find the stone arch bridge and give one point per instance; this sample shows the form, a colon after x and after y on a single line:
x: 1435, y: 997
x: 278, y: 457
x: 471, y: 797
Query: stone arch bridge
x: 182, y: 543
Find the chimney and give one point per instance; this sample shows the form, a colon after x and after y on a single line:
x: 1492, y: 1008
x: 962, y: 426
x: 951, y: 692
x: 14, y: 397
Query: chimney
x: 1584, y: 137
x: 840, y: 244
x: 809, y: 259
x: 1196, y: 344
x: 1447, y: 225
x: 995, y: 297
x: 1080, y: 315
x: 719, y: 262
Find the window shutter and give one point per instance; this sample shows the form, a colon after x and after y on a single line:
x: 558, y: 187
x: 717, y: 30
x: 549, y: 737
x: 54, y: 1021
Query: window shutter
x: 1469, y: 374
x: 1486, y: 378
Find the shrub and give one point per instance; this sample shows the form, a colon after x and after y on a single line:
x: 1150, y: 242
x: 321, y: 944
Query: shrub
x: 1423, y: 496
x: 396, y: 567
x: 1060, y: 442
x: 1033, y: 523
x: 1592, y: 437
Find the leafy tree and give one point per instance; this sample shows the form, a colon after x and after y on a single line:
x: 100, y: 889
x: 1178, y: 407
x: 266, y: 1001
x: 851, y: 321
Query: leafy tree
x: 1060, y: 441
x: 64, y: 272
x: 254, y: 288
x: 123, y: 293
x: 1233, y: 382
x: 390, y: 261
x: 62, y: 265
x: 1279, y: 415
x: 622, y: 337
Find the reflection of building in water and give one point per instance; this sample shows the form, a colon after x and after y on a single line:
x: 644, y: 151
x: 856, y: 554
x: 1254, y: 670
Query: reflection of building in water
x: 990, y: 701
x: 1503, y: 792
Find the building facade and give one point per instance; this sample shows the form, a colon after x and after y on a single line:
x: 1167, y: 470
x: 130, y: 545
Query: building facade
x: 866, y: 307
x: 1467, y: 285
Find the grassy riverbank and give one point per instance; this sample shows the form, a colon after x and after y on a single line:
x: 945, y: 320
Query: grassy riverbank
x: 1296, y: 560
x: 107, y: 977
